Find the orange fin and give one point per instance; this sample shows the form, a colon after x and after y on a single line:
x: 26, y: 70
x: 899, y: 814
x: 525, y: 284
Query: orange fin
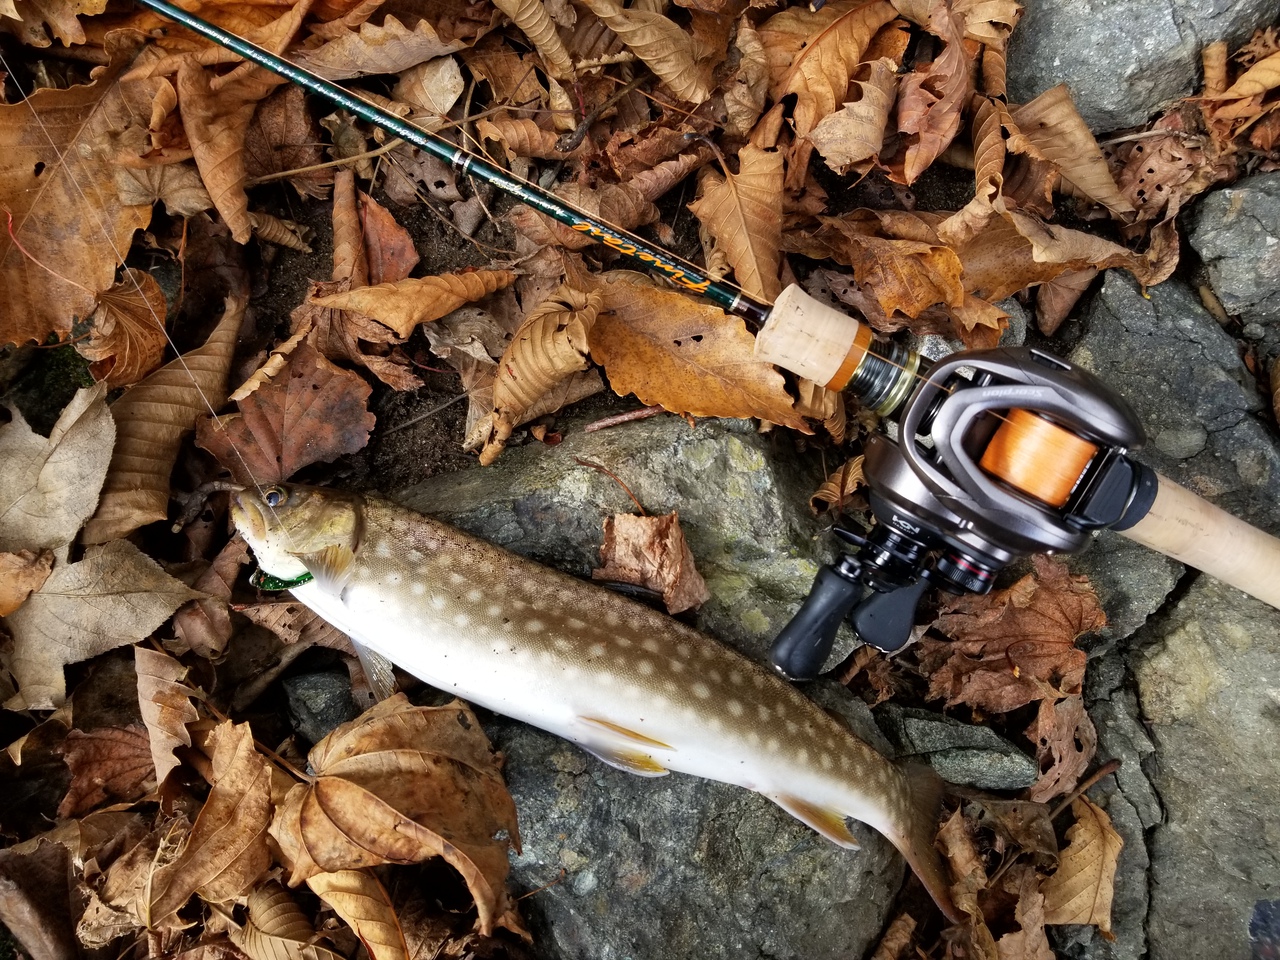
x: 829, y: 823
x: 332, y: 567
x: 632, y: 761
x: 631, y: 735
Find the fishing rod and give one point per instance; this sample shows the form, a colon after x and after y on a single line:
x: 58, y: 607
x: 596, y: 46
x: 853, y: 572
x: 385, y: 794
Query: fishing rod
x: 999, y: 453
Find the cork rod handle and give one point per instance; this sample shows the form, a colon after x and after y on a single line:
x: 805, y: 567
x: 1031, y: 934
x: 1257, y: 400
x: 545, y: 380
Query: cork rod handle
x: 1190, y: 529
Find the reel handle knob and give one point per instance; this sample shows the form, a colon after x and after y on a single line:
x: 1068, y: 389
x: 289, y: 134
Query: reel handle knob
x: 805, y: 642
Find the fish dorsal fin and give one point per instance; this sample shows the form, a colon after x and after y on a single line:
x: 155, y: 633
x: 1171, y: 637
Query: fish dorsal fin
x: 377, y: 670
x: 827, y: 822
x: 332, y: 566
x: 621, y: 747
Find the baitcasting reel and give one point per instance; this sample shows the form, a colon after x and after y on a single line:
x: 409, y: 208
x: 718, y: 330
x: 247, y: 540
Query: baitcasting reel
x: 999, y: 454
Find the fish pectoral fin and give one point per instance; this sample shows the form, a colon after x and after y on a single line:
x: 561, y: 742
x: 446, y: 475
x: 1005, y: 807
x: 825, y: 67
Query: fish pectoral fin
x: 830, y: 823
x: 331, y: 566
x: 377, y: 670
x: 621, y: 747
x: 626, y: 733
x: 632, y: 761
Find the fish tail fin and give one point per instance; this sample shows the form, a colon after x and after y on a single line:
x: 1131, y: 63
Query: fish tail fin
x: 917, y: 827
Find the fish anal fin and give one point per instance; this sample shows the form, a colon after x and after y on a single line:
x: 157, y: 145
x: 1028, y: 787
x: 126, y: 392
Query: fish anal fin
x: 378, y: 670
x: 627, y: 733
x: 830, y: 823
x: 332, y: 566
x: 632, y: 761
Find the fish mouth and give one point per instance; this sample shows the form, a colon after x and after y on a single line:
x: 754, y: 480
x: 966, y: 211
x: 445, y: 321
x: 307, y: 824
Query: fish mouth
x: 247, y: 517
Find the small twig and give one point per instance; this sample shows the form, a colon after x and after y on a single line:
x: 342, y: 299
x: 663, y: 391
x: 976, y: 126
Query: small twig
x: 297, y: 171
x: 422, y: 416
x: 545, y: 886
x: 571, y: 140
x: 1108, y: 768
x: 609, y: 473
x: 280, y: 761
x: 644, y: 413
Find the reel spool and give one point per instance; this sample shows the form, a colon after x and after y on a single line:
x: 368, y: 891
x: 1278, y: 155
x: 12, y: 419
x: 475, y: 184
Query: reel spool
x: 1033, y: 454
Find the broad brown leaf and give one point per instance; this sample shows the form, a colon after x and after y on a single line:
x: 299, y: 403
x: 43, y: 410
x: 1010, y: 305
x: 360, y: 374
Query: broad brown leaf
x: 743, y: 212
x: 652, y: 552
x: 311, y: 411
x: 1065, y: 742
x: 956, y: 844
x: 60, y: 189
x: 363, y: 904
x: 931, y: 98
x: 746, y: 92
x: 49, y: 486
x: 127, y: 339
x: 855, y: 132
x: 107, y: 763
x: 294, y: 622
x: 165, y: 702
x: 1014, y: 646
x: 20, y: 574
x: 1081, y: 889
x: 226, y: 851
x: 838, y: 488
x: 405, y: 304
x: 388, y: 48
x: 1029, y: 942
x: 536, y: 24
x: 1259, y: 79
x: 284, y: 136
x: 151, y: 419
x: 277, y: 929
x: 402, y: 784
x: 389, y: 248
x: 689, y: 357
x: 205, y: 625
x: 1056, y: 298
x: 670, y: 52
x: 434, y: 86
x: 114, y: 596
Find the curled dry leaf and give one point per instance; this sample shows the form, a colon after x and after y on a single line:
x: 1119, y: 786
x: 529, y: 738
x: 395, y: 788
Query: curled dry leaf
x: 285, y: 137
x: 311, y: 411
x: 389, y: 249
x: 652, y: 552
x: 350, y: 260
x: 402, y: 784
x: 956, y: 844
x: 110, y: 763
x: 743, y: 212
x: 818, y: 403
x: 931, y: 98
x: 20, y: 574
x: 389, y: 48
x: 520, y: 137
x: 1029, y: 942
x: 745, y: 94
x: 1084, y: 884
x: 205, y: 624
x: 838, y: 488
x: 283, y: 233
x: 363, y: 904
x: 670, y: 52
x: 897, y: 939
x: 49, y: 486
x: 624, y: 205
x: 226, y: 851
x: 1065, y: 741
x: 689, y: 357
x: 114, y: 596
x: 855, y: 132
x: 165, y: 702
x: 277, y: 929
x: 126, y: 338
x: 405, y: 304
x: 1014, y: 646
x: 536, y: 24
x: 177, y: 185
x: 151, y: 419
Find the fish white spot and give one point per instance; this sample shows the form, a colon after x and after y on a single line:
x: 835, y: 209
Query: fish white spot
x: 475, y: 596
x: 645, y: 668
x: 438, y: 602
x: 803, y: 754
x: 457, y: 578
x: 825, y: 761
x: 736, y: 678
x: 415, y: 556
x: 684, y: 650
x: 669, y: 686
x: 596, y: 650
x: 714, y: 676
x: 383, y: 550
x: 701, y: 690
x: 494, y: 610
x: 753, y: 738
x: 393, y: 578
x: 573, y: 623
x: 651, y: 645
x: 792, y: 726
x: 612, y: 619
x: 564, y: 646
x: 735, y: 707
x: 534, y: 626
x: 676, y: 666
x: 622, y: 642
x: 461, y: 619
x: 772, y: 745
x: 763, y: 711
x: 419, y: 589
x: 362, y: 570
x: 758, y: 680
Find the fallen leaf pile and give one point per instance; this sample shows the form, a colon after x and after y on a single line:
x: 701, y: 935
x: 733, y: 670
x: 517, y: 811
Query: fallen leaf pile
x: 723, y: 128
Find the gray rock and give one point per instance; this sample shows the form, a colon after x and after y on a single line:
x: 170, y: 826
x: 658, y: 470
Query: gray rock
x: 1209, y: 687
x: 673, y: 867
x: 1131, y: 581
x: 959, y: 752
x: 1123, y: 59
x: 1236, y: 231
x: 318, y: 702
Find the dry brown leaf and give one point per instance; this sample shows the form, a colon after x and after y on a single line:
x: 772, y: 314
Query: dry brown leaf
x: 114, y: 596
x: 1260, y: 78
x: 388, y: 48
x: 20, y: 574
x: 434, y: 86
x: 346, y: 336
x: 350, y: 259
x: 1081, y: 889
x: 283, y: 233
x: 671, y: 53
x: 520, y: 137
x: 51, y: 151
x: 127, y: 338
x: 1029, y: 942
x: 743, y: 212
x: 1057, y: 297
x: 897, y: 939
x: 1065, y: 742
x: 277, y: 929
x: 1014, y: 646
x: 283, y: 137
x: 691, y: 358
x: 816, y: 402
x: 294, y: 622
x: 838, y: 488
x: 151, y: 419
x: 536, y: 24
x: 549, y: 347
x: 110, y: 763
x: 312, y: 411
x: 389, y: 248
x: 855, y: 132
x: 49, y: 486
x: 165, y: 702
x: 390, y: 787
x: 652, y: 552
x: 226, y: 851
x: 205, y: 625
x: 620, y: 204
x: 363, y: 904
x: 746, y: 92
x: 406, y: 303
x: 177, y: 185
x: 1052, y: 123
x: 956, y: 844
x: 931, y: 98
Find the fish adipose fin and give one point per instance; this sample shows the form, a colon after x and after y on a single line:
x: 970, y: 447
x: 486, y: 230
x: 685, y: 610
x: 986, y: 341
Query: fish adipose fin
x: 622, y: 748
x: 829, y: 823
x: 332, y: 567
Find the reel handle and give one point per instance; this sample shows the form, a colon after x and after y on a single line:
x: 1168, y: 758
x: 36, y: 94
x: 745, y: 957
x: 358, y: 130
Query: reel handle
x: 805, y: 642
x: 1190, y: 529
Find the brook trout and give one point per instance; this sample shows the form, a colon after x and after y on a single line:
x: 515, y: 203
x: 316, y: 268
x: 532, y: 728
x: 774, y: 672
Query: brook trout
x: 630, y: 685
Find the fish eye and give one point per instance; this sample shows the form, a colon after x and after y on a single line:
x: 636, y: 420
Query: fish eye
x: 274, y: 496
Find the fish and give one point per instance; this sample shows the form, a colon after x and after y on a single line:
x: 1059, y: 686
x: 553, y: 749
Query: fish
x: 628, y: 684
